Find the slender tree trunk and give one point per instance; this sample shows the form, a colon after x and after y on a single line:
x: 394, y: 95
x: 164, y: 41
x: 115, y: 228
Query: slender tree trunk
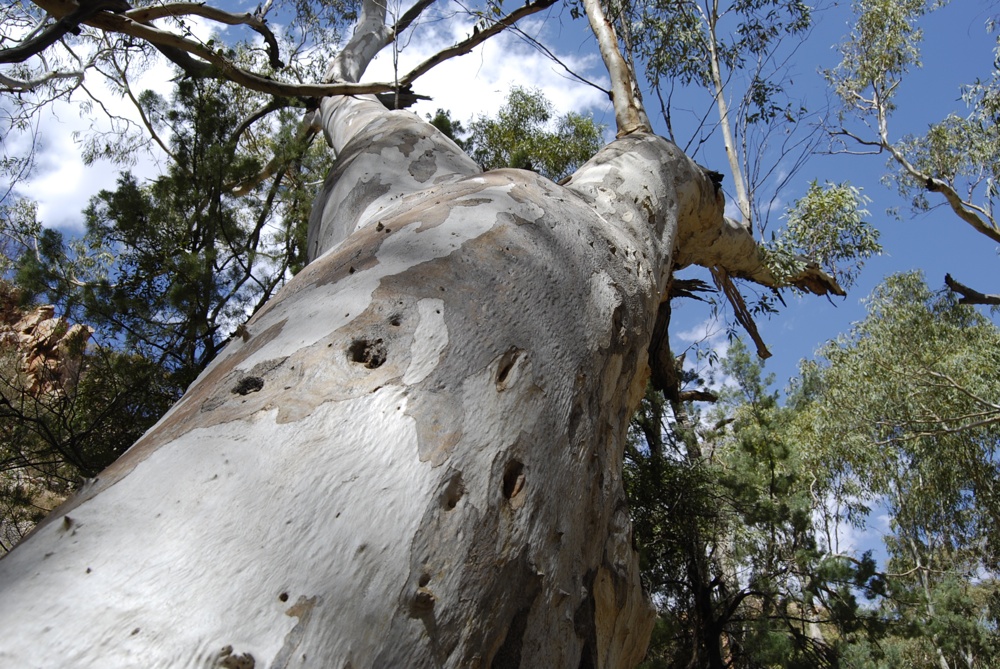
x: 728, y: 138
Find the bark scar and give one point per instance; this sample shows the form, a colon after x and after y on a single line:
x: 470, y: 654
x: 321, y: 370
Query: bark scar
x: 302, y: 609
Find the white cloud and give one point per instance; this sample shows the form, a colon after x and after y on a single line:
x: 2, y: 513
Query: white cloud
x: 476, y: 83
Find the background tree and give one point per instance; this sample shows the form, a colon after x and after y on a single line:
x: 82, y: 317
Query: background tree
x: 912, y: 430
x: 174, y: 267
x: 724, y: 518
x: 955, y: 160
x: 525, y: 135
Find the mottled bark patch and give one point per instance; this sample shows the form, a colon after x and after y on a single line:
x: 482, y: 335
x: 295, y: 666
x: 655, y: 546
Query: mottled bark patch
x: 302, y: 609
x: 424, y: 167
x: 186, y: 415
x: 356, y: 254
x: 440, y: 418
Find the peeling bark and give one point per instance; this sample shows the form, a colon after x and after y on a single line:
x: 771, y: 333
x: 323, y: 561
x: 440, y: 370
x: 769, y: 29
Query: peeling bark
x: 412, y: 456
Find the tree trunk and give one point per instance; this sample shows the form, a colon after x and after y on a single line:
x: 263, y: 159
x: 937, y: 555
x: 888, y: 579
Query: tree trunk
x: 414, y: 459
x: 412, y: 455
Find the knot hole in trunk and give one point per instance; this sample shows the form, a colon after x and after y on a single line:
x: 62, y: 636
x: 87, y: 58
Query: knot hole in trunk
x: 366, y: 352
x: 513, y: 482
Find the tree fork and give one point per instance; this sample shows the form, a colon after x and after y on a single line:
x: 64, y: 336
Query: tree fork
x: 412, y: 456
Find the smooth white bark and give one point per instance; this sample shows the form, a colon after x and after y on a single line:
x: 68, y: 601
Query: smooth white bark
x: 414, y: 458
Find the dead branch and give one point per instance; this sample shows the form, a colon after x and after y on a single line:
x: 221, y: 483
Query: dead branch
x: 740, y: 310
x: 970, y: 295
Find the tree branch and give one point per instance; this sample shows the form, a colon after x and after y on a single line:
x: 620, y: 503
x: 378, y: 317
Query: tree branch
x: 477, y: 38
x: 740, y: 310
x: 970, y: 295
x: 254, y: 21
x: 629, y: 115
x: 70, y: 23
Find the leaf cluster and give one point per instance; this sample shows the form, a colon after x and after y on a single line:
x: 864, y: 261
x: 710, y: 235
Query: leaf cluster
x: 902, y: 413
x: 525, y: 134
x: 827, y: 228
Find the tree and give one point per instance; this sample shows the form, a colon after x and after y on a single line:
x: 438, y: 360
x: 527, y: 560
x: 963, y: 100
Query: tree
x: 174, y: 267
x: 518, y: 137
x: 913, y: 429
x: 724, y: 522
x: 378, y: 473
x: 956, y: 159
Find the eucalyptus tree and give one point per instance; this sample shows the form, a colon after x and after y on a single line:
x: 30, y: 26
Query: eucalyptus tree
x: 519, y: 136
x: 412, y: 455
x: 955, y: 161
x: 913, y: 430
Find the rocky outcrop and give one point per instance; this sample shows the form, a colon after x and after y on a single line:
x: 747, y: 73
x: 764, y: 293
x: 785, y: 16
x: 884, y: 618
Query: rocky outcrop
x: 47, y: 349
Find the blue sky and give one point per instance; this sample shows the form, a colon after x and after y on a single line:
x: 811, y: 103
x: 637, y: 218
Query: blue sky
x: 956, y: 50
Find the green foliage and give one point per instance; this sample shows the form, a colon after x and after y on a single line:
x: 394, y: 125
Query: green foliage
x: 451, y: 128
x: 738, y: 513
x: 826, y: 227
x: 903, y: 413
x: 957, y: 156
x: 961, y: 151
x: 882, y: 47
x: 723, y: 518
x: 170, y: 268
x: 524, y: 135
x: 678, y: 37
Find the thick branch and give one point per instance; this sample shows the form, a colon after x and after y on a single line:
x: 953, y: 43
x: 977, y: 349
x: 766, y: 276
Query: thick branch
x: 968, y: 212
x: 629, y: 115
x: 740, y: 310
x: 254, y: 21
x: 211, y: 64
x: 70, y: 23
x: 732, y: 247
x: 964, y: 210
x: 970, y: 295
